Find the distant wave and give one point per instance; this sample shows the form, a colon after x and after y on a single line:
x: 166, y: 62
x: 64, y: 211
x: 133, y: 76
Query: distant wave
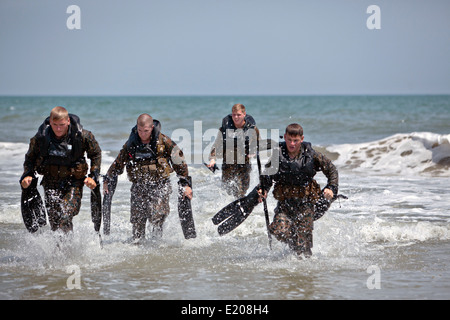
x: 410, y: 154
x: 12, y: 156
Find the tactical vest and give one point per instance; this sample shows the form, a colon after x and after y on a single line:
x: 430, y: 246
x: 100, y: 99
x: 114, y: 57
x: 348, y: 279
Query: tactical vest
x: 234, y: 136
x: 295, y: 177
x: 148, y: 162
x: 61, y: 158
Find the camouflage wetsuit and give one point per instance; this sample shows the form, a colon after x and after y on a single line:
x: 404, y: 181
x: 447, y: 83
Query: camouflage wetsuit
x: 236, y: 146
x: 64, y: 168
x: 296, y: 192
x: 148, y: 168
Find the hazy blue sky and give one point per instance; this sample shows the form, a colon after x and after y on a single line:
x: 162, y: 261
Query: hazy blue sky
x: 182, y: 47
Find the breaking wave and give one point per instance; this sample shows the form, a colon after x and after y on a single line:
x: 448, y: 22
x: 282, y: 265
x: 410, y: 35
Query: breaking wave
x: 423, y: 153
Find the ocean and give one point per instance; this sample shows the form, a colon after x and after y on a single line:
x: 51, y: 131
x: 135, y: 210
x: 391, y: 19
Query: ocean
x: 389, y: 240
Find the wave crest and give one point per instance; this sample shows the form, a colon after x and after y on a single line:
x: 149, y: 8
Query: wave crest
x: 407, y: 154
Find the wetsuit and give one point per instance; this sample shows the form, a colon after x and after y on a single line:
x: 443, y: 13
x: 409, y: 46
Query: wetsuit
x: 297, y: 191
x: 148, y: 168
x: 63, y: 166
x: 236, y: 146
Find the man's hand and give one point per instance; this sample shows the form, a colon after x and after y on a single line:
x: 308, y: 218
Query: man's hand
x: 211, y: 164
x: 187, y: 192
x: 262, y: 195
x: 90, y: 183
x: 328, y: 194
x: 26, y: 182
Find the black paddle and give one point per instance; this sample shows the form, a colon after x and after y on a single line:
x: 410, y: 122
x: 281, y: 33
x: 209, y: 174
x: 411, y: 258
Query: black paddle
x: 232, y: 215
x: 107, y: 201
x: 266, y: 212
x: 185, y: 213
x: 32, y: 207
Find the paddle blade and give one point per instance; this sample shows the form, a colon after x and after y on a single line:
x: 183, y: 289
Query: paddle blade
x: 232, y: 215
x: 186, y: 217
x: 226, y: 212
x: 96, y: 207
x: 232, y: 223
x: 106, y: 213
x: 32, y: 207
x: 106, y: 207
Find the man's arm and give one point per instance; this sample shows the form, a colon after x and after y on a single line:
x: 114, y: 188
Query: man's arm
x: 179, y: 165
x: 322, y: 163
x: 116, y: 168
x: 94, y: 153
x: 29, y: 165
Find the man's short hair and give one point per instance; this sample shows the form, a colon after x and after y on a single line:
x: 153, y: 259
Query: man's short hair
x: 238, y: 107
x: 145, y: 120
x: 59, y: 113
x: 294, y: 129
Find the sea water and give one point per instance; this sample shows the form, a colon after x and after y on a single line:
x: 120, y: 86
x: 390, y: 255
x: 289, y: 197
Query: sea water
x: 389, y: 240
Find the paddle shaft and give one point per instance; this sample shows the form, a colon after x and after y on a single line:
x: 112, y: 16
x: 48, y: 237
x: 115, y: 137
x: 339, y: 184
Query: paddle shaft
x: 266, y: 212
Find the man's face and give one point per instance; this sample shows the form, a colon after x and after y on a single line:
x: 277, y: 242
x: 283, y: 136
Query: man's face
x: 238, y: 118
x: 60, y: 127
x: 145, y: 132
x: 293, y: 143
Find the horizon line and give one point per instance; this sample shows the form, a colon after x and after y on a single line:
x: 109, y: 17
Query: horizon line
x: 226, y: 95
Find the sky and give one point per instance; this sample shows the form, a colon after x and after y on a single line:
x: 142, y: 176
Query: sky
x: 224, y: 47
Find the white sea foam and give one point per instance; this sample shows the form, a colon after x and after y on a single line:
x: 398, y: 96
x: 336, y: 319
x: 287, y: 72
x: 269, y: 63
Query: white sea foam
x: 402, y: 154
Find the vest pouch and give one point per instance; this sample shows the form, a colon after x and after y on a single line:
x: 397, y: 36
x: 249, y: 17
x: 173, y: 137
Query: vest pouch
x: 80, y: 170
x: 56, y: 171
x: 141, y: 172
x: 285, y: 191
x: 164, y: 169
x: 310, y: 192
x: 160, y: 148
x: 149, y: 169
